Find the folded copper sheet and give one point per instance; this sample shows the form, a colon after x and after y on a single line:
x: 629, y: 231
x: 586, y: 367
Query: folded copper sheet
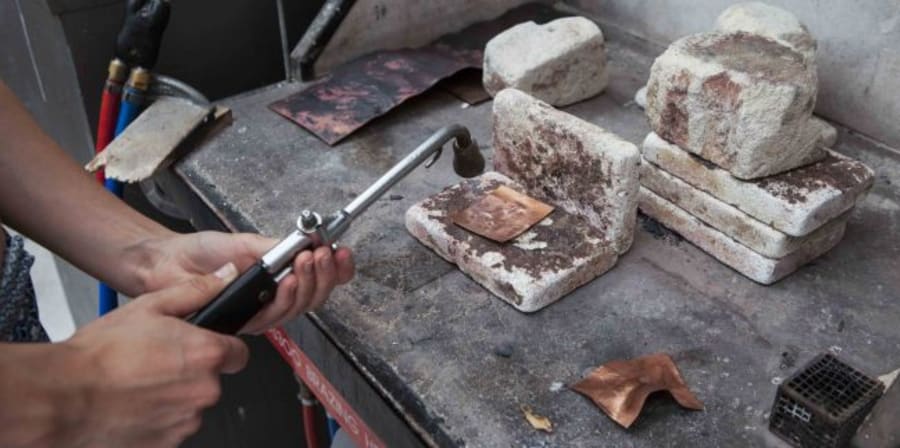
x: 620, y: 388
x: 502, y: 214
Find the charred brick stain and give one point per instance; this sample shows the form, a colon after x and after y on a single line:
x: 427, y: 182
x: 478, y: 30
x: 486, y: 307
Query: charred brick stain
x: 553, y: 164
x: 567, y: 231
x: 674, y: 118
x: 722, y: 97
x: 508, y: 291
x: 753, y: 54
x: 722, y: 93
x: 839, y: 173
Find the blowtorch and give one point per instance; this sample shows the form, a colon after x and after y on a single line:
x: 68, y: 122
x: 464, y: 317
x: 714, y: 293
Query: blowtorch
x: 256, y: 286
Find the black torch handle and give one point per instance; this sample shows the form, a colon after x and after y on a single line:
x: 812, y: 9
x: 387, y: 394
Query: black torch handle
x: 239, y: 302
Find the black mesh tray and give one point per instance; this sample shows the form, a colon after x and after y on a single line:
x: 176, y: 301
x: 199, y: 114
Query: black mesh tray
x: 823, y: 404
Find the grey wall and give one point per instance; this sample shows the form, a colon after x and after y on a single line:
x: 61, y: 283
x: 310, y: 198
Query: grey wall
x: 858, y: 58
x: 37, y: 66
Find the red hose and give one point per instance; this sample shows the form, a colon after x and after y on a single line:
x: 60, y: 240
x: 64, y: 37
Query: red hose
x: 109, y: 108
x: 309, y: 426
x: 106, y: 127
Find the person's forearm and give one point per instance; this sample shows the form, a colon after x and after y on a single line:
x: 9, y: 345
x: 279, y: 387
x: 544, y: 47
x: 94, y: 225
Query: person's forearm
x: 39, y: 400
x: 45, y: 195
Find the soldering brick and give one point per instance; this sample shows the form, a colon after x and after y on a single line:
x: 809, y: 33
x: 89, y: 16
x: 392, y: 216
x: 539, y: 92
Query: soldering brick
x: 828, y: 134
x: 769, y: 21
x: 568, y: 162
x: 537, y: 268
x: 796, y: 202
x: 742, y: 259
x: 743, y: 228
x: 740, y: 100
x: 560, y: 62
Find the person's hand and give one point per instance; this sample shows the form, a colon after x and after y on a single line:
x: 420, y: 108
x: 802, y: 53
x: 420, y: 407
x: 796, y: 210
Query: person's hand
x: 143, y: 374
x: 315, y: 273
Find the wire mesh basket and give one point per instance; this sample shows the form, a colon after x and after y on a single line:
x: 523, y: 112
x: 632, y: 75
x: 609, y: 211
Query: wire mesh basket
x: 823, y: 404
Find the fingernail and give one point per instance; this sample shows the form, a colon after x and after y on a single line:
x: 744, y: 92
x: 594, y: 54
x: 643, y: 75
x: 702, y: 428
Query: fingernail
x: 227, y: 272
x: 325, y: 260
x: 308, y: 267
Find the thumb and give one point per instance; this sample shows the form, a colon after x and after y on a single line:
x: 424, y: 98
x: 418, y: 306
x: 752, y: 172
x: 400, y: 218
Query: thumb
x: 255, y: 244
x: 189, y: 296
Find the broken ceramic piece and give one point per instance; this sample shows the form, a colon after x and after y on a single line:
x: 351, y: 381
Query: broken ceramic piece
x: 620, y: 387
x: 502, y: 214
x: 560, y: 62
x: 531, y: 271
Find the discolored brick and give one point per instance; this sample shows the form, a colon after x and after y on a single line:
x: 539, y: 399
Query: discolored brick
x: 796, y: 202
x: 569, y: 163
x: 535, y: 269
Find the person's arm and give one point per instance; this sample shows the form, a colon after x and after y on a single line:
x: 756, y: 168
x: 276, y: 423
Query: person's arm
x: 138, y: 377
x: 45, y: 195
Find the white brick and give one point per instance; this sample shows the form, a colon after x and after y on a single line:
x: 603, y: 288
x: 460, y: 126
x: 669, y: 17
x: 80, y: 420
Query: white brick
x: 739, y: 100
x: 796, y: 203
x: 733, y: 254
x: 560, y: 62
x: 537, y: 268
x: 569, y: 163
x: 743, y: 228
x: 828, y: 134
x: 769, y: 21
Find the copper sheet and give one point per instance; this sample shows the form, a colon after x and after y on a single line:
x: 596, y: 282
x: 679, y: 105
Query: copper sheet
x: 367, y: 87
x: 620, y: 388
x: 502, y: 214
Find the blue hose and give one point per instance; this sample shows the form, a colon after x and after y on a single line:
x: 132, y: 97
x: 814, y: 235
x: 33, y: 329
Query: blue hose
x: 333, y: 426
x: 132, y: 104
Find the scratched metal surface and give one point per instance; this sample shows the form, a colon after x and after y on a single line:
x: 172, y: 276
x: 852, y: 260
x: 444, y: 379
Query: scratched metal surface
x: 432, y: 340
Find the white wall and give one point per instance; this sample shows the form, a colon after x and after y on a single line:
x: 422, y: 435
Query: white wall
x: 859, y: 49
x: 391, y: 24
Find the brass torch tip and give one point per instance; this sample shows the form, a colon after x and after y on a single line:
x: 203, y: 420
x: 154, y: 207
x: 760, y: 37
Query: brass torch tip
x: 118, y: 71
x: 140, y: 79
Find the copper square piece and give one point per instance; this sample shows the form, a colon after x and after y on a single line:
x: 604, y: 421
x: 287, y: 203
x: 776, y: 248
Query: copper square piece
x: 502, y: 214
x: 620, y: 388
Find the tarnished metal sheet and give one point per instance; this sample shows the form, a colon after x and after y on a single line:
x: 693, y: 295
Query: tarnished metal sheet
x: 502, y: 214
x: 365, y: 88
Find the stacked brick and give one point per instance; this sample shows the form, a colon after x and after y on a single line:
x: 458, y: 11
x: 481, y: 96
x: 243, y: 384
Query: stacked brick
x: 735, y: 162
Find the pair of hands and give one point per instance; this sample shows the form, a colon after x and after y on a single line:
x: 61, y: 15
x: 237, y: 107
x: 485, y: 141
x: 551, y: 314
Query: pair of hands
x: 148, y: 374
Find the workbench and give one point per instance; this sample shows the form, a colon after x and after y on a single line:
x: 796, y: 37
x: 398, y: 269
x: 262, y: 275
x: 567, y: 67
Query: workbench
x: 425, y: 356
